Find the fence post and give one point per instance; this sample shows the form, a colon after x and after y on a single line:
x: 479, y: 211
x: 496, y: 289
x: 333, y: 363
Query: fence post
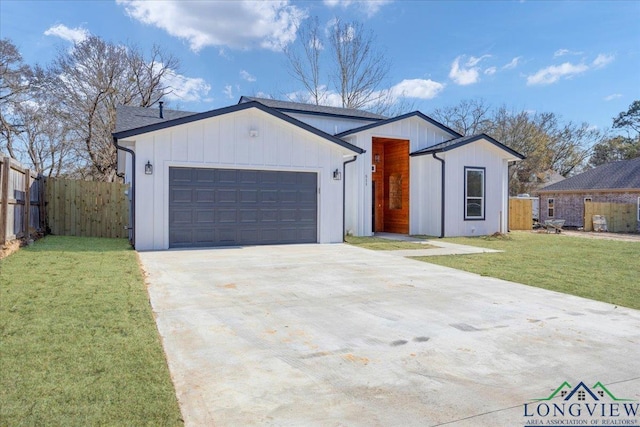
x: 27, y: 202
x: 4, y: 203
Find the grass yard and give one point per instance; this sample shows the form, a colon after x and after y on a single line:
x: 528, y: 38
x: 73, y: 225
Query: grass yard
x: 380, y: 244
x: 603, y: 270
x: 78, y: 342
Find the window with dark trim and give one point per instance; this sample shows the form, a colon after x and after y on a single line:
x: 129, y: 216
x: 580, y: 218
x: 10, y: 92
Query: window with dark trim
x: 474, y: 193
x: 550, y: 207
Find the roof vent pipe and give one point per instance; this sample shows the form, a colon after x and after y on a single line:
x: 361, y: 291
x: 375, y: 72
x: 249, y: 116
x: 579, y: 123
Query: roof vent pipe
x: 161, y: 115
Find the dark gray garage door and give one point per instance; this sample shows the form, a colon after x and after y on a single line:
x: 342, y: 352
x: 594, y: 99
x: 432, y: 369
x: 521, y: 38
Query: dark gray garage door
x: 222, y: 207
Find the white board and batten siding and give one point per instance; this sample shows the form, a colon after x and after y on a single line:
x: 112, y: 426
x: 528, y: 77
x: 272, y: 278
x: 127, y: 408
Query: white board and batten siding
x: 427, y: 208
x: 421, y: 134
x: 225, y: 142
x: 330, y: 124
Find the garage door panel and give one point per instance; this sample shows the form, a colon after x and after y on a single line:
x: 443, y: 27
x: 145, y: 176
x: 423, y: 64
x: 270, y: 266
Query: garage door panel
x: 205, y: 216
x: 222, y: 207
x: 307, y: 215
x: 288, y: 196
x: 249, y: 196
x: 181, y: 195
x: 181, y: 216
x: 227, y: 216
x: 181, y: 175
x: 268, y: 215
x: 204, y: 195
x: 227, y: 235
x: 269, y: 196
x: 226, y: 195
x: 226, y: 176
x: 307, y: 196
x: 204, y: 175
x: 248, y: 177
x: 249, y: 215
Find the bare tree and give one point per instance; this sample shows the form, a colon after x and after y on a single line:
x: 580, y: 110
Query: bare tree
x: 546, y: 142
x: 91, y: 80
x: 305, y: 65
x: 15, y: 79
x: 469, y: 117
x: 357, y: 69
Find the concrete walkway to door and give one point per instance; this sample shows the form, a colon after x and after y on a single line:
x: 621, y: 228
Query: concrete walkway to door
x: 332, y: 335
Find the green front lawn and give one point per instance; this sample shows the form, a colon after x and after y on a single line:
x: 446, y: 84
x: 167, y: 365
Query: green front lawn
x: 604, y: 270
x: 380, y: 244
x: 78, y: 342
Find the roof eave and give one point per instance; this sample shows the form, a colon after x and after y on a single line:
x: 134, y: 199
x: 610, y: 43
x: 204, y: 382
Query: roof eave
x: 589, y: 190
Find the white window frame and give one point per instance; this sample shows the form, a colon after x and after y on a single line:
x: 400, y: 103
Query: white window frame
x: 481, y: 198
x: 551, y: 201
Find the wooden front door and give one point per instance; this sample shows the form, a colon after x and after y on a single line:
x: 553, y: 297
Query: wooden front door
x: 391, y: 185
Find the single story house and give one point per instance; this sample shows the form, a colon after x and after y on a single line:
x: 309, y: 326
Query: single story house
x: 265, y: 171
x: 615, y: 182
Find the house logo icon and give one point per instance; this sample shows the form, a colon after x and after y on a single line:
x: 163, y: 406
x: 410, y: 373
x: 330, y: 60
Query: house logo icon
x: 579, y: 404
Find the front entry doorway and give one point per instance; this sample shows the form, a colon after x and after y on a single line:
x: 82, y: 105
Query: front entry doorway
x: 390, y: 175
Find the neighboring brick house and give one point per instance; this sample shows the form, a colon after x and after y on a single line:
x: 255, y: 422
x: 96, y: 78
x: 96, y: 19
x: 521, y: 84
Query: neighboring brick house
x: 616, y: 182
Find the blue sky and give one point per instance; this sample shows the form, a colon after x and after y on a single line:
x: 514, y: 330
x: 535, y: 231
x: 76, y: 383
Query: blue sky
x: 580, y: 60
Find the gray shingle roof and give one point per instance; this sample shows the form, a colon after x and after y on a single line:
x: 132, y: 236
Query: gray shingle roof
x: 288, y: 106
x: 459, y: 142
x: 128, y: 117
x: 611, y: 176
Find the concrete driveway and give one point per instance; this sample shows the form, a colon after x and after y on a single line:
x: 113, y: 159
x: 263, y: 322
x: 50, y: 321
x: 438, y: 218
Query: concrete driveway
x: 334, y: 335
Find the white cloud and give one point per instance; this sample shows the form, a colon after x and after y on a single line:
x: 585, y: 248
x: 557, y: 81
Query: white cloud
x: 473, y: 61
x: 246, y: 76
x: 554, y: 73
x: 463, y: 75
x: 613, y: 96
x: 490, y: 71
x: 562, y: 52
x: 240, y: 24
x: 602, y: 60
x: 73, y: 35
x: 513, y: 64
x: 186, y: 89
x: 228, y: 91
x: 369, y: 7
x: 417, y: 88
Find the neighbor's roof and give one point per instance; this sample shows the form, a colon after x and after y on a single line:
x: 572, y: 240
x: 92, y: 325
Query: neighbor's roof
x: 624, y: 174
x: 298, y: 107
x: 464, y: 140
x: 397, y: 118
x: 128, y: 117
x: 156, y: 123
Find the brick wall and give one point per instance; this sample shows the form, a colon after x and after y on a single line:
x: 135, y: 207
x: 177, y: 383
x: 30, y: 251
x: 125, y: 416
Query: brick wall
x: 570, y: 207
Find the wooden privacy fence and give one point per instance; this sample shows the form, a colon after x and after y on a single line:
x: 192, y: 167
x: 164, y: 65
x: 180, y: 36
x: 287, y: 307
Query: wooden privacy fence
x: 520, y: 214
x: 621, y: 217
x: 21, y: 201
x: 87, y: 208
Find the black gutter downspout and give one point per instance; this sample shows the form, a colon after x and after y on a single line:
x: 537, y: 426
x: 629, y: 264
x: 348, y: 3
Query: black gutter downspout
x: 132, y: 226
x: 442, y: 195
x: 344, y: 195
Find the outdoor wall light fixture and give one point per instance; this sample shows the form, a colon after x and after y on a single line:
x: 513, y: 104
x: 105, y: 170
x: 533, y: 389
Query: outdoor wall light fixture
x: 148, y: 168
x: 337, y: 175
x: 253, y: 133
x: 376, y: 158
